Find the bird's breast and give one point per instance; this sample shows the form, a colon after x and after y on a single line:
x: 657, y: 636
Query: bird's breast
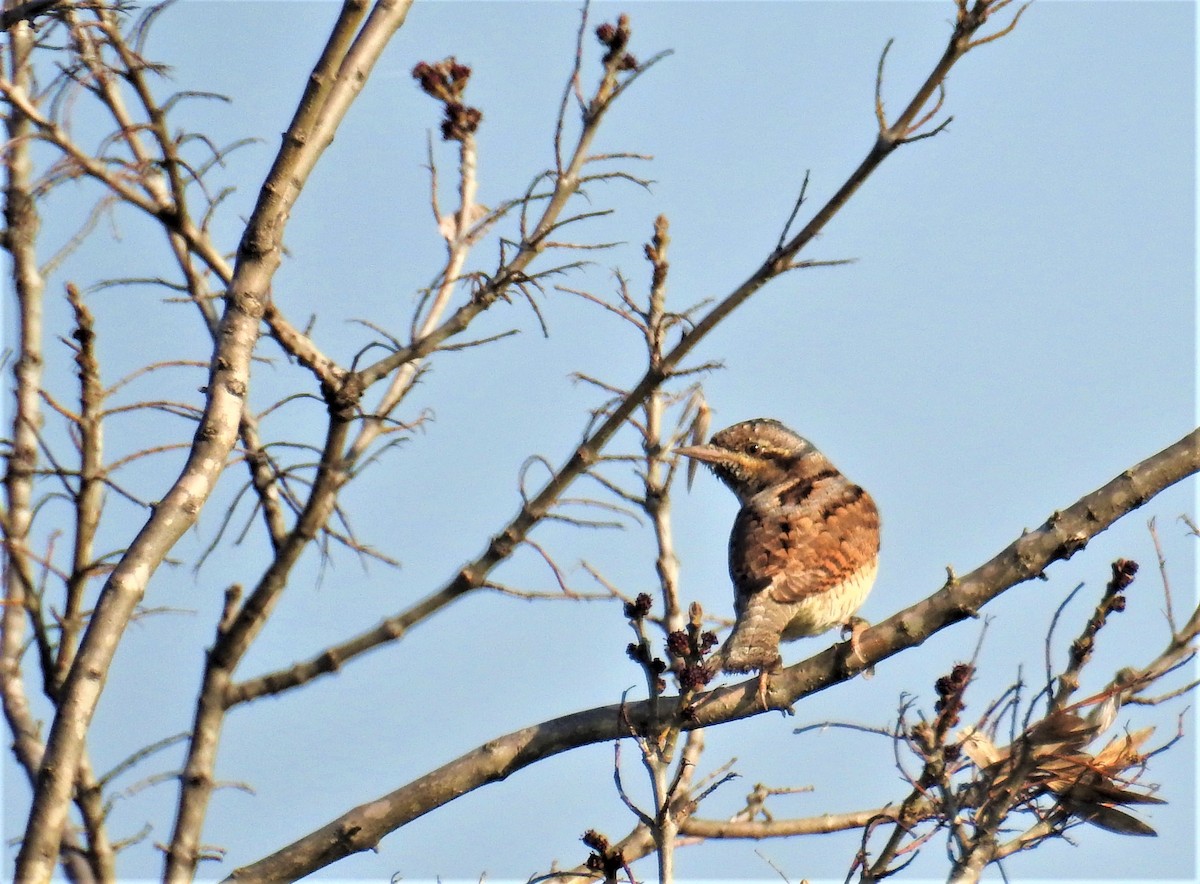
x: 819, y: 612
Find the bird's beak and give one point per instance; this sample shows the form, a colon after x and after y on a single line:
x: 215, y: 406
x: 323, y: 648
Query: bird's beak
x: 705, y: 453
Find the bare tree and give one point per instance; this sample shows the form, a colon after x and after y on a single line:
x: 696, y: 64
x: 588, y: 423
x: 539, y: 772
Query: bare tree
x: 1027, y: 771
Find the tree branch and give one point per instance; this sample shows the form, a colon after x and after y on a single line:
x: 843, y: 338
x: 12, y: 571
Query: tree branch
x: 311, y: 131
x: 474, y: 574
x: 1060, y: 537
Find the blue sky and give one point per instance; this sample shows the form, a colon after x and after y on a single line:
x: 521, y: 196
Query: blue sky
x: 1018, y: 328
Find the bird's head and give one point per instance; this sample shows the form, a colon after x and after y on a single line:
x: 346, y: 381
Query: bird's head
x: 754, y: 455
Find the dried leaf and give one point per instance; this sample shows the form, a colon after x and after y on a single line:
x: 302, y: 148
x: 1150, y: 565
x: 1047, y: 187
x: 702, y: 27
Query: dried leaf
x: 1114, y: 820
x: 977, y: 746
x: 1124, y: 751
x: 699, y: 432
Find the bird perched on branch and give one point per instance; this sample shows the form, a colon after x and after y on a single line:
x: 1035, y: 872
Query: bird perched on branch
x: 805, y: 545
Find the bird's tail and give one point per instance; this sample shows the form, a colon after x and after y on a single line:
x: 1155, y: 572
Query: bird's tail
x: 754, y: 644
x: 750, y: 650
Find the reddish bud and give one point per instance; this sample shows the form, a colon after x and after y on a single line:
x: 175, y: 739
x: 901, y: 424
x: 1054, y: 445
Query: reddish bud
x: 593, y: 839
x: 639, y: 607
x: 677, y: 643
x: 1123, y: 571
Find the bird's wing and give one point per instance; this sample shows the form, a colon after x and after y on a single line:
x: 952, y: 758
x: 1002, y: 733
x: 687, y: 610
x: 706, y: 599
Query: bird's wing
x: 806, y: 538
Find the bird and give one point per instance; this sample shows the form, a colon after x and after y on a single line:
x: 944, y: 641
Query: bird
x: 804, y: 549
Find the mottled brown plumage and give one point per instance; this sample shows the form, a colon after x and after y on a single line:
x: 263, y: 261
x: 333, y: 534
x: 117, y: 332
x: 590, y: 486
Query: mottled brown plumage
x: 805, y: 545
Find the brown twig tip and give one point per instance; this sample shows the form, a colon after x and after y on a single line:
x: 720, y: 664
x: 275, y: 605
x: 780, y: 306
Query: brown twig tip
x: 639, y: 608
x: 446, y: 81
x: 639, y: 652
x: 677, y: 643
x: 605, y: 859
x: 950, y: 689
x: 656, y: 249
x: 616, y: 38
x: 460, y: 122
x: 694, y: 677
x: 594, y: 840
x: 1113, y: 602
x: 689, y: 647
x: 1123, y: 572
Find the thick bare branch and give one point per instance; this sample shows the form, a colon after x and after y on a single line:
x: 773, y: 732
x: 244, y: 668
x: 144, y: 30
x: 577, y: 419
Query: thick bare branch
x: 22, y: 222
x: 1064, y: 534
x: 335, y: 83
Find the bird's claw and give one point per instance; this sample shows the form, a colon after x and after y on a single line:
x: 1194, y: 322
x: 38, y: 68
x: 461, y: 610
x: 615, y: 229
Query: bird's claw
x: 764, y: 684
x: 851, y: 633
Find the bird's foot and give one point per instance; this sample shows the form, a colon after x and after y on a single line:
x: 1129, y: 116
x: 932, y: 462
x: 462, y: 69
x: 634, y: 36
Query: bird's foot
x: 764, y: 678
x: 851, y: 633
x: 764, y: 685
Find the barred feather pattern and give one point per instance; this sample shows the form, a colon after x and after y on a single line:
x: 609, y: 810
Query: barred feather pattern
x: 804, y: 549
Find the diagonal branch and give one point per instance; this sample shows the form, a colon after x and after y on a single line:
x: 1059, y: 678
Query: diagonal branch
x: 1060, y: 537
x: 473, y: 575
